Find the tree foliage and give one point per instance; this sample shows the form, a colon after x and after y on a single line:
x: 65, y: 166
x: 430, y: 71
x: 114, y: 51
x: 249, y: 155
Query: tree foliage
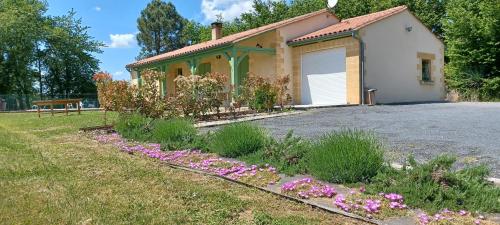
x: 160, y: 29
x: 42, y: 52
x: 472, y: 31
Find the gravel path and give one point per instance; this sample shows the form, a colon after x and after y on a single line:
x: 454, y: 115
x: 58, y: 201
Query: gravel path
x: 470, y: 131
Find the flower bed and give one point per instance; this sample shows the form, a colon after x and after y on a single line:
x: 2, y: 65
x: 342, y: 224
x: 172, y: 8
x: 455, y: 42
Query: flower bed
x: 378, y: 207
x: 382, y: 206
x: 446, y: 216
x: 195, y: 159
x: 308, y: 188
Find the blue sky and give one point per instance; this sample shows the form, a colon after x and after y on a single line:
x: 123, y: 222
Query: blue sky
x: 114, y: 23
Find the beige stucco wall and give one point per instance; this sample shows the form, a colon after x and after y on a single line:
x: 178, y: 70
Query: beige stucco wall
x: 352, y: 66
x: 392, y: 62
x: 262, y: 64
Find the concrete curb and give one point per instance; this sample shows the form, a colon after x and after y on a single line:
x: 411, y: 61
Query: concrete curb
x: 245, y: 119
x: 495, y: 181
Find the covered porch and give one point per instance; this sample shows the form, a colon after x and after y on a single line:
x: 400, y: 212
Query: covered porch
x: 256, y: 55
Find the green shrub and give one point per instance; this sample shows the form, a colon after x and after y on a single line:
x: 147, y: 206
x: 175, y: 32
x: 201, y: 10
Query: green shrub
x: 491, y: 89
x: 238, y: 139
x: 173, y: 133
x: 434, y: 186
x: 133, y: 126
x: 345, y: 157
x: 265, y: 98
x: 286, y: 155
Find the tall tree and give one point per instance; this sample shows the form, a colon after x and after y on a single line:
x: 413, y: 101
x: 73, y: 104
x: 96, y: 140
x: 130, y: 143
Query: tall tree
x: 69, y: 57
x: 160, y: 29
x: 20, y: 31
x: 195, y: 33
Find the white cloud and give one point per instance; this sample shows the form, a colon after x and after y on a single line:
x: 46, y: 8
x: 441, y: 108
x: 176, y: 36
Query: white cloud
x: 122, y: 40
x: 98, y: 8
x: 229, y: 9
x: 118, y: 73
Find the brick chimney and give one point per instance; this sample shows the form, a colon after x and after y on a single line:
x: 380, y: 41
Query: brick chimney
x: 216, y: 30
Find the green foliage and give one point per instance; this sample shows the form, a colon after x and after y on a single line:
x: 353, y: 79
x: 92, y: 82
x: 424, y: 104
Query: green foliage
x: 133, y: 126
x: 265, y: 98
x: 472, y: 31
x: 173, y: 134
x: 345, y: 157
x: 238, y: 140
x: 286, y: 155
x: 160, y: 28
x: 491, y: 89
x: 434, y: 186
x: 56, y: 52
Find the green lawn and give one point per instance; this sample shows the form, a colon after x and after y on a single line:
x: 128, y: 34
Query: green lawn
x: 51, y: 174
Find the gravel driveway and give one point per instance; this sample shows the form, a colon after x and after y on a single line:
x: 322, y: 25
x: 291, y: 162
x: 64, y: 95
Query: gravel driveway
x: 470, y: 131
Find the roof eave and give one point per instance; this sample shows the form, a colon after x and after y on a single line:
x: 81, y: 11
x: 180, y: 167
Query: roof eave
x: 322, y: 38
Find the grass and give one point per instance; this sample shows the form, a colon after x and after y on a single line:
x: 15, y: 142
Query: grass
x: 345, y: 157
x: 51, y: 174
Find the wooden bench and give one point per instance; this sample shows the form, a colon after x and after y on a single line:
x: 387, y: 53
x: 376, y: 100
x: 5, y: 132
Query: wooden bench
x: 64, y: 102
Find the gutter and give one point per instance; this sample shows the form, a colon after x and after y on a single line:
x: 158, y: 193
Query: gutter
x: 321, y: 39
x: 356, y: 36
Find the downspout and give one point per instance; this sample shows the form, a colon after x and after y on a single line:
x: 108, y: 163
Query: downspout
x: 356, y: 36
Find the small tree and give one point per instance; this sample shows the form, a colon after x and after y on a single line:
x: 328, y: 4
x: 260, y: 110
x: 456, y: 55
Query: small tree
x: 281, y: 88
x: 104, y: 92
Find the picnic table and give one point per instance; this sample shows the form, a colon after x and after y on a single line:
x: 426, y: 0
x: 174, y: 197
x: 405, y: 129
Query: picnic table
x: 64, y: 102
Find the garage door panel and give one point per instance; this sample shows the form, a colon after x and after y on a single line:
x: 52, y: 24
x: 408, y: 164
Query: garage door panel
x: 324, y: 77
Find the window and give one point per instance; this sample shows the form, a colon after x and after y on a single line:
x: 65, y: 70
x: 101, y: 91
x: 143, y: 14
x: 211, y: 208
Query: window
x: 179, y: 71
x: 426, y: 70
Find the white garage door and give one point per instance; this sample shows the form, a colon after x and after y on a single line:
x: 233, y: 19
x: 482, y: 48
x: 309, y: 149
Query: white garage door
x: 324, y: 77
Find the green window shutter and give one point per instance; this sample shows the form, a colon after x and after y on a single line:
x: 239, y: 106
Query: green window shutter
x: 139, y: 78
x: 204, y: 68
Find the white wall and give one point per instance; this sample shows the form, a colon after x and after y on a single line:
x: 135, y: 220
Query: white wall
x: 391, y: 60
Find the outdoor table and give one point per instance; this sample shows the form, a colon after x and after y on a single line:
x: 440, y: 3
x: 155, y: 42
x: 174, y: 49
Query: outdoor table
x: 64, y: 102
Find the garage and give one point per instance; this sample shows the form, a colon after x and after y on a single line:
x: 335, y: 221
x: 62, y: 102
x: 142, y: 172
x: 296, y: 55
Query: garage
x: 324, y: 77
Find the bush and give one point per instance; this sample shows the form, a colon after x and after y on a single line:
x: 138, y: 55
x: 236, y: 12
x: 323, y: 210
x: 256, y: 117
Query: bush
x: 173, y: 134
x: 434, y: 186
x: 133, y: 126
x: 345, y: 157
x: 286, y: 155
x: 238, y: 139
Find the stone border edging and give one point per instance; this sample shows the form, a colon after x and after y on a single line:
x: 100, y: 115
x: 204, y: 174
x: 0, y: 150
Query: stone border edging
x: 309, y: 203
x: 245, y: 119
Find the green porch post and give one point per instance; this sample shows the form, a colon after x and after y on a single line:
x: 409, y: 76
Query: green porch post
x: 164, y: 82
x: 193, y: 65
x: 139, y: 78
x: 233, y: 61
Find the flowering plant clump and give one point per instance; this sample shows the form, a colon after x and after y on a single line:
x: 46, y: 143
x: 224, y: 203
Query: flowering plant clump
x: 308, y: 188
x: 446, y: 216
x: 195, y: 159
x: 379, y: 207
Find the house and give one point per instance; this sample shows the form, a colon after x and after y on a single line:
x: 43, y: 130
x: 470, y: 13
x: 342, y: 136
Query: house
x: 330, y: 61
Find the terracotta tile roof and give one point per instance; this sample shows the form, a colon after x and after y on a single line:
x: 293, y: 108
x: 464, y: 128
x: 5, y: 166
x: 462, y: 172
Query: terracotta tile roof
x: 223, y: 41
x: 351, y: 24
